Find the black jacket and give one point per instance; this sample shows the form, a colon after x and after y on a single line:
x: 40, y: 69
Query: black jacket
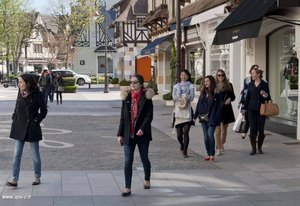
x: 227, y: 115
x: 144, y: 116
x: 212, y: 108
x: 253, y: 98
x: 26, y: 118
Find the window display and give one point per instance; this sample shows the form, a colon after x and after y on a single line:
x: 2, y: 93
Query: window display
x: 283, y: 72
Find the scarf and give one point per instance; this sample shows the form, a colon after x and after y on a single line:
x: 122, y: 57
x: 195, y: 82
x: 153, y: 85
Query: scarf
x: 135, y: 97
x: 183, y: 88
x: 24, y: 94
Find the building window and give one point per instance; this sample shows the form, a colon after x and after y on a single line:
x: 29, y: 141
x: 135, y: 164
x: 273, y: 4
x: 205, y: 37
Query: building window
x: 130, y: 49
x: 283, y: 67
x: 139, y: 22
x: 82, y: 62
x: 219, y: 57
x: 38, y: 48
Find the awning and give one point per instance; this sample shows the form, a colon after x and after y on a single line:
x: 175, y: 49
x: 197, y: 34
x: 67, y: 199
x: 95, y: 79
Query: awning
x: 150, y: 48
x: 184, y: 23
x: 244, y: 22
x: 108, y: 49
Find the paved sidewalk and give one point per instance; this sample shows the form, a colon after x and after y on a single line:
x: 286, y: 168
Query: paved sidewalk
x: 239, y: 180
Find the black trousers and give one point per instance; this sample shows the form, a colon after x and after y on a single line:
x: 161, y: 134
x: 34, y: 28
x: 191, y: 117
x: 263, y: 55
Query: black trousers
x: 256, y: 123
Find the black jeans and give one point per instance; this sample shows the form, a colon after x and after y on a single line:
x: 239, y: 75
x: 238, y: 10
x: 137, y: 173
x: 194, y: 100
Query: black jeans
x: 183, y: 136
x: 129, y: 155
x: 257, y: 123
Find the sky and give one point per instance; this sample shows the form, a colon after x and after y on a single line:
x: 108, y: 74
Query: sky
x: 43, y: 5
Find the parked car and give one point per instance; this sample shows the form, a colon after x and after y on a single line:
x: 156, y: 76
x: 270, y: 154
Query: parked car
x: 80, y: 78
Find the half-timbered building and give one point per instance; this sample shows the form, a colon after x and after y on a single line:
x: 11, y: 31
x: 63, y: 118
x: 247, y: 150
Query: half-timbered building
x: 131, y: 36
x: 89, y: 48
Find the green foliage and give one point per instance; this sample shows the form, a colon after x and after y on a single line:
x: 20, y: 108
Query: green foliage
x: 70, y: 89
x: 293, y: 82
x: 115, y: 81
x: 167, y: 96
x: 199, y: 81
x: 101, y: 79
x: 124, y: 82
x: 69, y: 81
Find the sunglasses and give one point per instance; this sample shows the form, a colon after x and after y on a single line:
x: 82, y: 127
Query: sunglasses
x: 134, y: 82
x: 221, y: 75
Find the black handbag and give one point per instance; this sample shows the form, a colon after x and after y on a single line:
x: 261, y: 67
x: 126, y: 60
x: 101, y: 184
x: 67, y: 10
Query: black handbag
x: 203, y: 118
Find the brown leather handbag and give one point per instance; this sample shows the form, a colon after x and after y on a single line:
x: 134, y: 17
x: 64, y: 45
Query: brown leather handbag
x: 269, y: 109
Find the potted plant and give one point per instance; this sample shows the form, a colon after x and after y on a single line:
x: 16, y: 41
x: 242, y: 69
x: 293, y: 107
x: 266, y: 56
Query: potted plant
x: 124, y: 84
x: 115, y: 82
x: 168, y: 99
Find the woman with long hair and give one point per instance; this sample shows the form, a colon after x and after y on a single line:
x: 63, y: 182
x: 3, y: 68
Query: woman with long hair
x: 183, y: 94
x: 208, y: 111
x: 225, y: 88
x: 29, y: 112
x: 258, y: 92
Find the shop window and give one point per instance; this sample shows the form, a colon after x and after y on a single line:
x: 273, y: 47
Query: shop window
x: 220, y: 58
x: 283, y: 72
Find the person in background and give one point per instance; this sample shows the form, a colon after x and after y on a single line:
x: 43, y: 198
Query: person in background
x: 243, y: 95
x: 44, y: 84
x: 183, y: 94
x: 52, y: 86
x: 29, y: 112
x: 258, y: 92
x: 208, y: 111
x: 59, y: 84
x: 225, y: 88
x: 135, y: 128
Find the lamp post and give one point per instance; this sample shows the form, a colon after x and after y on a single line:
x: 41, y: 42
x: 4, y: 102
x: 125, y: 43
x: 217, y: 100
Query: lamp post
x: 178, y: 40
x: 106, y: 90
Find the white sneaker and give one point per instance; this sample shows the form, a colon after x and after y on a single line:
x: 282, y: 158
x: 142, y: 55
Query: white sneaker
x: 219, y: 152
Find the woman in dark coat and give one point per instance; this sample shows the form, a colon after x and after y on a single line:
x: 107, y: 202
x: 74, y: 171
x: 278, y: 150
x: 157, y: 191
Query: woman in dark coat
x: 209, y: 104
x: 135, y: 128
x: 258, y: 92
x: 30, y: 110
x: 225, y: 88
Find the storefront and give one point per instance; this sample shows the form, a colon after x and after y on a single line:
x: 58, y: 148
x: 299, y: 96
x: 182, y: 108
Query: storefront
x: 283, y: 71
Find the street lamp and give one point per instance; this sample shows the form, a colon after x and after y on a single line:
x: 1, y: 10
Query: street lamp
x: 106, y: 90
x: 178, y: 40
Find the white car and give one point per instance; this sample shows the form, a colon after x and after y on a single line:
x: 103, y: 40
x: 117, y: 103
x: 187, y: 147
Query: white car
x: 81, y: 79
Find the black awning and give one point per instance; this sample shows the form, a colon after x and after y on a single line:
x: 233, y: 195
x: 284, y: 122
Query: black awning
x: 150, y: 48
x: 244, y: 22
x: 108, y: 49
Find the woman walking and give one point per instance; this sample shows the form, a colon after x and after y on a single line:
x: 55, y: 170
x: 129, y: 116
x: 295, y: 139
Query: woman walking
x: 258, y: 93
x: 30, y: 110
x: 135, y: 128
x: 183, y: 94
x: 225, y: 88
x: 208, y: 111
x: 59, y: 84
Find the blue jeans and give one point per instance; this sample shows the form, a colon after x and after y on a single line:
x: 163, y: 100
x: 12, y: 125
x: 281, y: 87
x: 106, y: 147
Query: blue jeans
x: 46, y: 91
x: 34, y: 147
x: 209, y: 139
x: 129, y: 155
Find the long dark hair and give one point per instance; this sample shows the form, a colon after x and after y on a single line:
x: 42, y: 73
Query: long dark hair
x: 210, y: 90
x: 226, y: 84
x: 30, y: 82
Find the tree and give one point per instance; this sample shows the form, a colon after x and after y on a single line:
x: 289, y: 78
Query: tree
x: 15, y: 30
x: 70, y: 18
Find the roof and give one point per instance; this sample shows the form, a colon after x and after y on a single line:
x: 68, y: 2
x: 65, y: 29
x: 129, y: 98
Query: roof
x: 197, y: 7
x: 133, y: 8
